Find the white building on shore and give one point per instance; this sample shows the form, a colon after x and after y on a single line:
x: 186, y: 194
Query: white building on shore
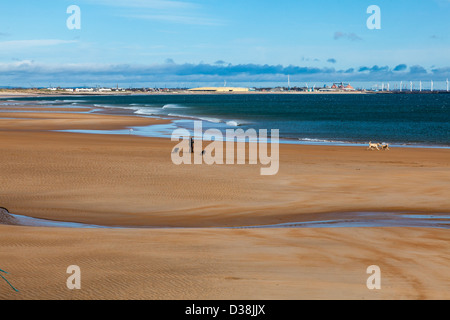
x: 219, y: 89
x: 84, y: 90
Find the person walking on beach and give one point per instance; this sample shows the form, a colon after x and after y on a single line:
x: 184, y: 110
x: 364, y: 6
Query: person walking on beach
x: 192, y: 145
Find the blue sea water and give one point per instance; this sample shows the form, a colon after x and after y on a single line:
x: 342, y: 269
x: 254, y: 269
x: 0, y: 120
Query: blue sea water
x: 401, y: 119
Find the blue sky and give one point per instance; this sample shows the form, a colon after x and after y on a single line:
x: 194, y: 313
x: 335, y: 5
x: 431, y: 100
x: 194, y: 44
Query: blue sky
x: 149, y: 42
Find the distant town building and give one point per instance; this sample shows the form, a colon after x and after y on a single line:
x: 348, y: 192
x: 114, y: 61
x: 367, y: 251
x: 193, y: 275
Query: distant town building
x: 84, y: 90
x: 219, y: 89
x: 327, y: 89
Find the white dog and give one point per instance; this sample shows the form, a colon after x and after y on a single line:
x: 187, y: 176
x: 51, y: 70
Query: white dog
x: 373, y: 146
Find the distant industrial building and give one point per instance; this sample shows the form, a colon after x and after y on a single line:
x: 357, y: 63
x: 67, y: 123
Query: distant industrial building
x: 343, y: 86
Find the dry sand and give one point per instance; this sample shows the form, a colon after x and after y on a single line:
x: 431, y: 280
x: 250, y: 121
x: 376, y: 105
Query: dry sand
x: 131, y: 181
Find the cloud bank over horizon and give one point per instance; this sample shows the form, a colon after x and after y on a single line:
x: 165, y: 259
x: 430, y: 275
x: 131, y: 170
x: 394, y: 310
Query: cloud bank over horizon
x: 37, y: 74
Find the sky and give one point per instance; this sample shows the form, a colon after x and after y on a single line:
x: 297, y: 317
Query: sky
x: 186, y: 43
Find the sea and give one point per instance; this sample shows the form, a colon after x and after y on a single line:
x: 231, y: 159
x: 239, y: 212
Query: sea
x: 411, y: 120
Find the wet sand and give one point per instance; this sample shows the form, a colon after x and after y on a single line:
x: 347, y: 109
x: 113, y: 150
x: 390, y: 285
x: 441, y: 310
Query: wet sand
x: 225, y: 264
x: 128, y: 180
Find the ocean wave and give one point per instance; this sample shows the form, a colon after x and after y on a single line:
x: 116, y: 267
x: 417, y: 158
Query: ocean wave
x: 105, y: 106
x: 231, y: 123
x: 234, y: 123
x: 48, y: 102
x: 208, y: 119
x: 173, y: 106
x: 137, y: 106
x: 148, y: 111
x: 212, y: 120
x: 181, y: 116
x: 327, y: 141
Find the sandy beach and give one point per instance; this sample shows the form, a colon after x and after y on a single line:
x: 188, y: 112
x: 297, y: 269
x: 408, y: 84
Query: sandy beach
x: 126, y: 180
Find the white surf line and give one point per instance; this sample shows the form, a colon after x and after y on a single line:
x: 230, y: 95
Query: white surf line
x: 356, y: 220
x: 26, y: 221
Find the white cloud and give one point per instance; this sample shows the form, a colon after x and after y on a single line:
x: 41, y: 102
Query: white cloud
x: 23, y: 44
x: 19, y: 72
x: 151, y: 4
x: 180, y: 19
x: 169, y: 11
x: 350, y: 36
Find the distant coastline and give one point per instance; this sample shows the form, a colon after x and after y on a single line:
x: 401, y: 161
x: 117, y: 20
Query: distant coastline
x: 17, y: 93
